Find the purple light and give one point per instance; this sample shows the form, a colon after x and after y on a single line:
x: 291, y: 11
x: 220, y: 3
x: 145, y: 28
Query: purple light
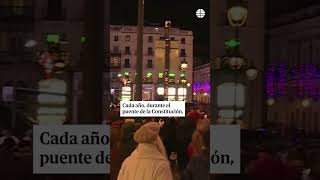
x: 282, y: 80
x: 304, y: 80
x: 206, y: 87
x: 196, y: 87
x: 270, y: 81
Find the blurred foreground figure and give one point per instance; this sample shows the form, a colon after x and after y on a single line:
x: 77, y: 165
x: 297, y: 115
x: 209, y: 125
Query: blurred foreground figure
x: 149, y: 160
x: 198, y: 166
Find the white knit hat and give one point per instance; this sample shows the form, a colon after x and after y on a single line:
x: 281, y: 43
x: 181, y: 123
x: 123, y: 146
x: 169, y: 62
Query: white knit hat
x: 148, y: 133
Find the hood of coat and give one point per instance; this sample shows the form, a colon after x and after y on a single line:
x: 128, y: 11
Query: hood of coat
x: 148, y: 151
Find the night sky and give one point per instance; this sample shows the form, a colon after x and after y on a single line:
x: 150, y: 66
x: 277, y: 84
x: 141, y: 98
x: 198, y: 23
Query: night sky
x: 180, y: 12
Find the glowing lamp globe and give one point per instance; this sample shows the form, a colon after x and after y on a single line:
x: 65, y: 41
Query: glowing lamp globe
x: 271, y: 101
x: 184, y: 65
x: 238, y: 13
x: 252, y: 73
x: 306, y: 102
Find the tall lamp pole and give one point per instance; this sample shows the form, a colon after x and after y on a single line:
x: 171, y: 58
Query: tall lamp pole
x: 138, y: 78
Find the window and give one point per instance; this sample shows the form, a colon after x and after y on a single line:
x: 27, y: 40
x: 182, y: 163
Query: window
x: 183, y: 40
x: 115, y: 62
x: 127, y: 63
x: 160, y: 75
x: 150, y: 51
x: 162, y: 38
x: 149, y: 64
x: 127, y: 50
x: 116, y: 49
x: 183, y: 53
x: 150, y: 39
x: 54, y: 10
x: 172, y: 38
x: 116, y: 38
x: 128, y: 38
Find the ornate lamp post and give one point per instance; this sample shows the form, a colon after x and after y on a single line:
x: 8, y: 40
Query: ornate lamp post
x: 233, y: 61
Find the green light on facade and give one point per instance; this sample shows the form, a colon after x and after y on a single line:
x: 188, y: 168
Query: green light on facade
x: 232, y: 43
x: 53, y: 38
x: 160, y: 75
x: 83, y: 39
x: 126, y: 73
x: 183, y: 75
x: 149, y: 75
x: 171, y: 75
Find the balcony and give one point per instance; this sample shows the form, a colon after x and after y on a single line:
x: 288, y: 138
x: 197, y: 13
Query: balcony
x: 115, y: 65
x: 16, y: 14
x: 116, y: 53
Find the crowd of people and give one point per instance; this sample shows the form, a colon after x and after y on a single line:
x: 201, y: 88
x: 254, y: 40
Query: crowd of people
x: 12, y: 143
x: 179, y: 148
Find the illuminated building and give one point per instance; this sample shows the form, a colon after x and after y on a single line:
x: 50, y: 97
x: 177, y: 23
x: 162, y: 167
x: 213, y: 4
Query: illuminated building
x: 123, y: 61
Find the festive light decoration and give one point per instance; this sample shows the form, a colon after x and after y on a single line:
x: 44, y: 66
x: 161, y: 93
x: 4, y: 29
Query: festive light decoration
x: 282, y: 80
x: 302, y: 81
x: 270, y: 81
x: 198, y: 87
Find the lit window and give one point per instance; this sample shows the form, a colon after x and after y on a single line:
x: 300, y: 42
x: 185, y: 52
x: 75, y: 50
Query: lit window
x: 149, y: 75
x: 171, y: 91
x: 160, y: 75
x: 171, y: 75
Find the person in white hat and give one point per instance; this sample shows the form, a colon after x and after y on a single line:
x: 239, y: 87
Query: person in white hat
x: 149, y: 160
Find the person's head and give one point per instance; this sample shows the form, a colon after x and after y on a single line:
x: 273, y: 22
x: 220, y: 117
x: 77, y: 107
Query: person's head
x: 127, y: 131
x: 203, y: 125
x: 149, y: 134
x: 8, y: 144
x: 200, y: 141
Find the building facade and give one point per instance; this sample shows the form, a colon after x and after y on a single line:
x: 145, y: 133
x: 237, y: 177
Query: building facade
x: 201, y: 84
x: 123, y: 45
x: 294, y: 50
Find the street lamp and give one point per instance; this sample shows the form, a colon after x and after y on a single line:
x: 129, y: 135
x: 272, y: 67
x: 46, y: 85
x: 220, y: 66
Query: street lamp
x: 237, y: 16
x: 271, y: 101
x: 306, y: 102
x: 184, y: 65
x: 234, y: 61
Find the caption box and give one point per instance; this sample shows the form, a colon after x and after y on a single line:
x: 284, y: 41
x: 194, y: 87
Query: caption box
x: 152, y: 109
x: 225, y: 149
x: 71, y: 149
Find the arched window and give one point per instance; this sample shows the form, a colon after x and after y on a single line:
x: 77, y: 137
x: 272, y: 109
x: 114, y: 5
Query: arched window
x: 231, y: 100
